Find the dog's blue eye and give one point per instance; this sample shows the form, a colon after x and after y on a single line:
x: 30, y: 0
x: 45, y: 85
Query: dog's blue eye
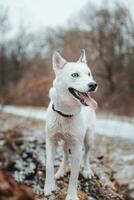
x: 75, y: 75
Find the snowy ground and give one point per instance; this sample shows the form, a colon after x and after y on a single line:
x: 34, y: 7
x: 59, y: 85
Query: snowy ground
x: 106, y: 125
x: 37, y: 113
x: 114, y: 140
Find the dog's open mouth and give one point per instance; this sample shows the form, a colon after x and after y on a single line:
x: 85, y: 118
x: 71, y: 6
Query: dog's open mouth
x: 83, y: 97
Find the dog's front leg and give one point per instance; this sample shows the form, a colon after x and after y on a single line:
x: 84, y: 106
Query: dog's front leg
x: 62, y: 169
x: 75, y: 165
x: 50, y: 153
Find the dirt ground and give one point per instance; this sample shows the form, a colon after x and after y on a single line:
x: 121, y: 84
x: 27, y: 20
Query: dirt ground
x: 22, y: 155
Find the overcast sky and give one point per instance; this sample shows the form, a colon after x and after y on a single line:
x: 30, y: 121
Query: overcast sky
x: 38, y: 13
x: 42, y: 12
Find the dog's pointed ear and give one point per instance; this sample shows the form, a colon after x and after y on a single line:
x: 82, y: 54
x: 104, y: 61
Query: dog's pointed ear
x: 58, y: 61
x: 83, y: 57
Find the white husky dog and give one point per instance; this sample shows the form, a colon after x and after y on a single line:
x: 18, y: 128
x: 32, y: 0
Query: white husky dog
x: 71, y: 118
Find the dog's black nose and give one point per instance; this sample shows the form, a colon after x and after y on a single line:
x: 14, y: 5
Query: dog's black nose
x: 92, y: 86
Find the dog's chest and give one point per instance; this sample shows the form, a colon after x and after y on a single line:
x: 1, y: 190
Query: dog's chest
x: 64, y: 126
x: 66, y: 129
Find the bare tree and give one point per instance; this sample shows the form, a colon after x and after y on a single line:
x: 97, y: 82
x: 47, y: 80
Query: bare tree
x: 4, y: 28
x: 110, y: 35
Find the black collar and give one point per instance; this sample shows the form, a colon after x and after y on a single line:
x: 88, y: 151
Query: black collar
x: 59, y: 112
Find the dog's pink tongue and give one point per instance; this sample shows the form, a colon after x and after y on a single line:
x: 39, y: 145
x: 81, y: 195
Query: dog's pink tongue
x: 91, y: 102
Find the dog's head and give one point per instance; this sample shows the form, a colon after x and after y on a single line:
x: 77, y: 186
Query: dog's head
x: 74, y: 79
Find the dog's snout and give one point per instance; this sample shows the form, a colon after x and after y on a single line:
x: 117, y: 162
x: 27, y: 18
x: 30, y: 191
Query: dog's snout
x: 92, y: 86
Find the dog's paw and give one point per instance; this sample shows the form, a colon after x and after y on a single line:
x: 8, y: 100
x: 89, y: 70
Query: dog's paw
x: 70, y: 197
x: 59, y: 174
x: 88, y: 174
x: 49, y: 189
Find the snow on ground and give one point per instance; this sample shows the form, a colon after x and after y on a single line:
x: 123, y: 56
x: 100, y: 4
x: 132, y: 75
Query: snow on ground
x: 37, y: 113
x: 115, y: 128
x: 108, y: 126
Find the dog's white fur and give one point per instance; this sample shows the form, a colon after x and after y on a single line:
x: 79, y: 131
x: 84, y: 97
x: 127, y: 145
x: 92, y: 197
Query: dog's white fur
x: 76, y: 131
